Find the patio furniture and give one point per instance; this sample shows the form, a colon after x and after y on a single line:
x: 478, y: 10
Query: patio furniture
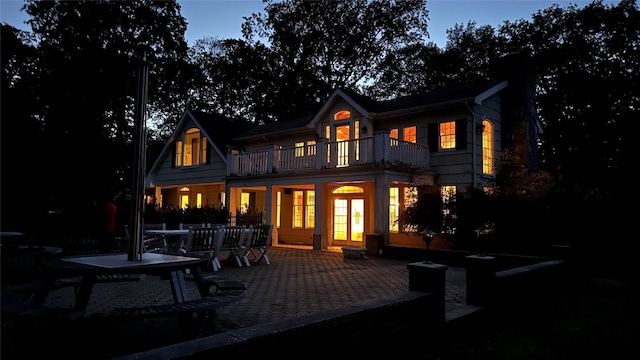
x: 183, y: 226
x: 157, y: 244
x: 92, y: 267
x: 258, y: 244
x: 203, y: 241
x: 232, y: 239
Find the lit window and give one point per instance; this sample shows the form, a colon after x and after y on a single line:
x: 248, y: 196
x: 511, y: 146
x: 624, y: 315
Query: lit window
x: 192, y: 149
x: 348, y: 189
x: 342, y: 115
x: 311, y: 147
x: 448, y: 135
x: 310, y: 206
x: 184, y: 201
x: 178, y: 153
x: 487, y: 147
x: 244, y: 202
x: 394, y: 211
x: 278, y: 207
x: 221, y: 200
x: 393, y: 136
x: 203, y: 157
x: 409, y: 134
x: 299, y: 149
x: 199, y: 200
x: 298, y: 202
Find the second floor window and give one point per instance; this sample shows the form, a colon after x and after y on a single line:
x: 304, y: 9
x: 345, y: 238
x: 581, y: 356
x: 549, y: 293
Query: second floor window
x: 408, y: 134
x: 192, y: 149
x: 487, y: 147
x: 447, y: 135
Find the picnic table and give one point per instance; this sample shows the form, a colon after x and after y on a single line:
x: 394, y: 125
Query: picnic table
x: 171, y: 267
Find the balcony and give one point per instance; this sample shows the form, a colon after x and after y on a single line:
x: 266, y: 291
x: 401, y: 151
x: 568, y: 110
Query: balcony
x: 379, y: 149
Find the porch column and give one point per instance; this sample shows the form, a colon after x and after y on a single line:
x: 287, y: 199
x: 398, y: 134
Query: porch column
x: 381, y: 202
x: 270, y: 208
x: 320, y: 236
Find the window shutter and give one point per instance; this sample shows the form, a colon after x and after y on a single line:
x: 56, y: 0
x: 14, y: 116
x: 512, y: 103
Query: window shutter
x: 209, y: 146
x: 461, y: 134
x: 432, y: 137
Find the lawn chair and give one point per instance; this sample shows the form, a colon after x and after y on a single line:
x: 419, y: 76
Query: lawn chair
x: 232, y: 239
x: 259, y: 244
x: 203, y: 241
x: 155, y: 244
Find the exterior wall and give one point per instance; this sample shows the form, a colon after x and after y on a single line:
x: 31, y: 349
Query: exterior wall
x: 286, y: 233
x: 213, y: 172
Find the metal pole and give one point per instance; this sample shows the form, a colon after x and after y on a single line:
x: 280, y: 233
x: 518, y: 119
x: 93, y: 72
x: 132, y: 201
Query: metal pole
x: 139, y: 161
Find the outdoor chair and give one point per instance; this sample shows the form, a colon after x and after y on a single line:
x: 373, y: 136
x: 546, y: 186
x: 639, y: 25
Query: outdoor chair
x: 203, y: 241
x: 156, y: 244
x: 183, y: 226
x: 232, y: 240
x: 258, y: 244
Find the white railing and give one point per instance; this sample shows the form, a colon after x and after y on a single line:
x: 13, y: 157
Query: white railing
x: 337, y: 154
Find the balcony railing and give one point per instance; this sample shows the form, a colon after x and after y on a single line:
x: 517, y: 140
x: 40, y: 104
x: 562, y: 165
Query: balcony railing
x: 326, y: 155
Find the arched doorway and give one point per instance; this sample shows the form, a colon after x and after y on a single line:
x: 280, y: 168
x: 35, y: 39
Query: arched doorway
x: 348, y: 216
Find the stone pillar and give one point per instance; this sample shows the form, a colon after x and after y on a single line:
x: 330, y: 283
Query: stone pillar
x: 481, y: 278
x: 430, y: 277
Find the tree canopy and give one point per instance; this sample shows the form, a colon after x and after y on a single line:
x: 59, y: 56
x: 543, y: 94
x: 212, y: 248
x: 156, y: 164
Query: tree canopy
x: 69, y: 84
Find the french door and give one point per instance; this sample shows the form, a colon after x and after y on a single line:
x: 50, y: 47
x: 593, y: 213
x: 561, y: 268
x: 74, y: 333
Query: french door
x: 348, y: 222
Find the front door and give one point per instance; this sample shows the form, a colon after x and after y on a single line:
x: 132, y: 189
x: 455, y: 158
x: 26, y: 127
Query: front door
x: 348, y: 222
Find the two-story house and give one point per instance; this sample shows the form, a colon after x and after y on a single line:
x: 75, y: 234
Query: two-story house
x: 347, y: 171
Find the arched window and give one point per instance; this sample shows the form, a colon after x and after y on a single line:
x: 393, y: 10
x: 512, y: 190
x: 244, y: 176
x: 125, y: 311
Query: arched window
x: 487, y: 147
x: 342, y: 115
x: 348, y: 190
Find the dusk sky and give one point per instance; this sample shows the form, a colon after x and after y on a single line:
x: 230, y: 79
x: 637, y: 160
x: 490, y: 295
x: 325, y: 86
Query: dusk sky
x: 223, y: 18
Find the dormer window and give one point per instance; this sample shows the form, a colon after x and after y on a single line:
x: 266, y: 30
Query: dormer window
x: 192, y: 150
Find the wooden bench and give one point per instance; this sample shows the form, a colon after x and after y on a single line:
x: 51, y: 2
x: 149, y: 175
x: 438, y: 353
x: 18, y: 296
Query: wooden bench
x: 225, y: 292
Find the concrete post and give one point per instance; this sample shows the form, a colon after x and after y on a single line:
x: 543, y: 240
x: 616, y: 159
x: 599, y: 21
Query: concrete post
x: 430, y: 277
x: 481, y: 278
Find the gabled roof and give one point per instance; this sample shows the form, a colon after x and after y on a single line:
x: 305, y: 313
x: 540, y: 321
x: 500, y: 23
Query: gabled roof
x: 218, y: 129
x: 275, y: 128
x: 369, y: 107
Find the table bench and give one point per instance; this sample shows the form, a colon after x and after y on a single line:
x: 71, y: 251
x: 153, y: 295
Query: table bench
x: 225, y: 292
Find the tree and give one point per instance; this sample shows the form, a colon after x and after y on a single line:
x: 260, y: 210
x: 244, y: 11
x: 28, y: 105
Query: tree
x: 86, y: 64
x: 312, y: 48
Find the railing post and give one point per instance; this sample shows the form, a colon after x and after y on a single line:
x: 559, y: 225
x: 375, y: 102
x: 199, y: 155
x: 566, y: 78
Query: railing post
x: 230, y: 167
x: 381, y: 146
x: 271, y: 163
x: 321, y: 153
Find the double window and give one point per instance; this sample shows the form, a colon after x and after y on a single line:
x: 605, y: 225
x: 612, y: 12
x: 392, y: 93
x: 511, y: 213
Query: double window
x: 192, y: 149
x: 304, y: 209
x: 407, y: 134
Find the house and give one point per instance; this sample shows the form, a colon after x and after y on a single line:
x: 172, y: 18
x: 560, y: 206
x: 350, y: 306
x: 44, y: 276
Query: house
x: 344, y: 172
